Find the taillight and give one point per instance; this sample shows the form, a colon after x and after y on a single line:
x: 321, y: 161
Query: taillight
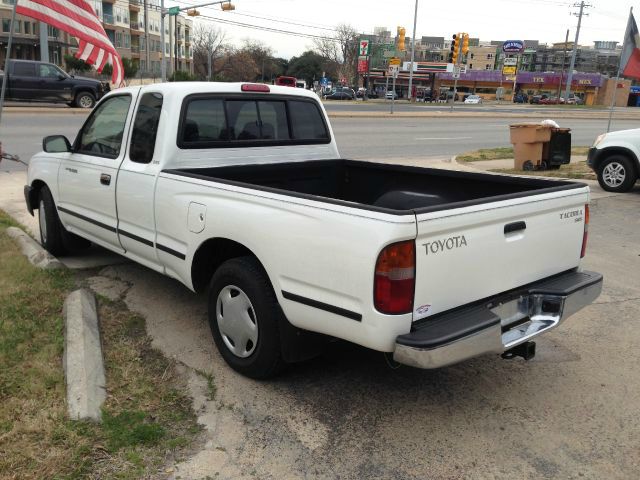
x: 255, y: 87
x: 586, y: 231
x: 394, y: 283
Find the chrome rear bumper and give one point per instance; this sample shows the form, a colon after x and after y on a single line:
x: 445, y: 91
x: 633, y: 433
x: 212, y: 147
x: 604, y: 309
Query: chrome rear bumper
x: 497, y: 324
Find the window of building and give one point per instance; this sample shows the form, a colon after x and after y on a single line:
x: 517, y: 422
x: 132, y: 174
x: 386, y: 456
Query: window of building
x: 488, y: 67
x: 118, y: 39
x: 127, y: 40
x: 143, y: 44
x: 52, y: 31
x: 489, y: 56
x: 27, y: 28
x: 6, y: 25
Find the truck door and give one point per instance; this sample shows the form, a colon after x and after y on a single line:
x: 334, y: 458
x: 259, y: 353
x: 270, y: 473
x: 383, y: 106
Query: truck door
x: 53, y: 84
x: 136, y: 184
x: 23, y: 80
x: 87, y: 177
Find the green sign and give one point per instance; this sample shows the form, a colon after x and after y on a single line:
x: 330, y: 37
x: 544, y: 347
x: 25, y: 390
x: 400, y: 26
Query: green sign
x: 174, y: 10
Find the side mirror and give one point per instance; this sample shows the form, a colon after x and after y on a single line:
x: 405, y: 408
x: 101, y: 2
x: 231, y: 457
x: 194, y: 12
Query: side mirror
x: 61, y: 77
x: 56, y: 144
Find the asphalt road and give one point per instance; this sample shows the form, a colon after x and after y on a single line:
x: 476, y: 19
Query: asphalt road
x: 359, y: 138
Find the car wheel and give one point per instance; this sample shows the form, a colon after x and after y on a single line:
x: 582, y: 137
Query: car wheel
x: 616, y: 174
x: 51, y: 229
x: 527, y: 166
x: 84, y: 100
x: 244, y: 316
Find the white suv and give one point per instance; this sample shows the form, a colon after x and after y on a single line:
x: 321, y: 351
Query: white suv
x: 614, y: 157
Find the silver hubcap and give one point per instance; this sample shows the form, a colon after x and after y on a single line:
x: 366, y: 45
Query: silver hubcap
x: 614, y: 174
x: 42, y: 221
x: 237, y: 321
x: 85, y: 101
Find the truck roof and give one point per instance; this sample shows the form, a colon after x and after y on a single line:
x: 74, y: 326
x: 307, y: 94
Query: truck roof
x: 189, y: 88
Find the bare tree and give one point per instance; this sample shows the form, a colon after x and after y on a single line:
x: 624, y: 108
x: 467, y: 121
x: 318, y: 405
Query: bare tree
x: 209, y: 44
x: 262, y: 56
x: 342, y: 50
x: 237, y: 66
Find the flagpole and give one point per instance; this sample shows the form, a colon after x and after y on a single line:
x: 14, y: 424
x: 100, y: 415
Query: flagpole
x: 615, y: 87
x: 5, y: 77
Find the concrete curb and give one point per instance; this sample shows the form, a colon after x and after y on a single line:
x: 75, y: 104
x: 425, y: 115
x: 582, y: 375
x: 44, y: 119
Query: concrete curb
x: 34, y: 252
x: 82, y: 361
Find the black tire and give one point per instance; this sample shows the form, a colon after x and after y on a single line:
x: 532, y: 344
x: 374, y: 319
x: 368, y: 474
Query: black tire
x: 53, y: 236
x: 616, y: 174
x: 554, y: 167
x: 243, y: 278
x: 84, y: 100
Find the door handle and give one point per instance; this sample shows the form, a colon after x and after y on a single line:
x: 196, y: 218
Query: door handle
x: 105, y: 179
x: 514, y: 227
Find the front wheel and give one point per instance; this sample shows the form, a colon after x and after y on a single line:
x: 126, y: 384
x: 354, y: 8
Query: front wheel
x: 53, y: 236
x: 244, y: 316
x: 616, y: 174
x: 84, y: 100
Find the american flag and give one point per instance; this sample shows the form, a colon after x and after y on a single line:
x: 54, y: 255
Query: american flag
x: 78, y: 18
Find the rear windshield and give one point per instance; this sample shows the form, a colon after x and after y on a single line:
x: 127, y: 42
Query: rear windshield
x: 215, y: 122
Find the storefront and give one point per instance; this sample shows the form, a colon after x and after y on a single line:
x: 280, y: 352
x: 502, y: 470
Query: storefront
x: 489, y: 83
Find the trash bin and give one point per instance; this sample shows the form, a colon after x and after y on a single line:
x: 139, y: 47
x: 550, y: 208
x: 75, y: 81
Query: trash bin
x: 528, y: 141
x: 558, y: 151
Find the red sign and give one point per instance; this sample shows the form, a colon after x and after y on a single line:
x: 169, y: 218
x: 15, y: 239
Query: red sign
x: 363, y: 65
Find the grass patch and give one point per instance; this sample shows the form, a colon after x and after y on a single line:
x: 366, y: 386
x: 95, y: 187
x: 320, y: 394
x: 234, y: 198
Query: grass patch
x: 212, y: 389
x: 501, y: 153
x: 576, y: 170
x: 147, y: 418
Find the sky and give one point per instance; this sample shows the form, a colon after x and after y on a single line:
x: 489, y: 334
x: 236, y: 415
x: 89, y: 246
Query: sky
x: 543, y: 20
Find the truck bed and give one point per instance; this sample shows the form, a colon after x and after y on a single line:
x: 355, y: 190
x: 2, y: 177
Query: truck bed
x: 394, y: 189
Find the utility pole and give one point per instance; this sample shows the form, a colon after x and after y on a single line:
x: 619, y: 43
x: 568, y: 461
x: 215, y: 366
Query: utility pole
x: 564, y: 57
x: 163, y: 63
x: 413, y: 52
x: 582, y: 6
x: 44, y: 42
x: 146, y: 37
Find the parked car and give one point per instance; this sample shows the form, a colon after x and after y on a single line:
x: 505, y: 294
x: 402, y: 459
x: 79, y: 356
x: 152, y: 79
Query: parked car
x: 33, y: 81
x: 615, y: 158
x: 340, y: 95
x: 473, y: 99
x: 574, y: 100
x: 536, y: 99
x: 520, y: 98
x: 239, y: 190
x: 551, y: 101
x: 391, y: 95
x: 371, y: 94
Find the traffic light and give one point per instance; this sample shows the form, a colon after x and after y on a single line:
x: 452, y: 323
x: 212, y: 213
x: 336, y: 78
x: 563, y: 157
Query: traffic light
x: 226, y: 7
x: 465, y: 44
x: 401, y: 33
x: 455, y: 48
x: 193, y: 12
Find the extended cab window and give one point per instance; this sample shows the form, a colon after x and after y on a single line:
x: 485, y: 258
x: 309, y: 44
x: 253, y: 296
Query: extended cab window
x: 145, y: 128
x: 49, y: 71
x: 233, y: 122
x: 24, y: 69
x: 102, y: 134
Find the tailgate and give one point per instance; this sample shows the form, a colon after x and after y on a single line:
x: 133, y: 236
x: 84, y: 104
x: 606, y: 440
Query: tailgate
x: 470, y: 253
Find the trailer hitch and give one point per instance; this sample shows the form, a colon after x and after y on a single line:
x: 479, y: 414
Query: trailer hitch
x: 526, y: 350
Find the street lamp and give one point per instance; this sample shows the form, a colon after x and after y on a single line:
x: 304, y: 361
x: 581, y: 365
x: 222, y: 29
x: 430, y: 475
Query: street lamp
x: 191, y: 11
x: 413, y: 51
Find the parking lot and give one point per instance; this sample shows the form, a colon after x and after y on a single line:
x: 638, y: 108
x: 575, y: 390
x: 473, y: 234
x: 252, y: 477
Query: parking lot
x: 571, y: 412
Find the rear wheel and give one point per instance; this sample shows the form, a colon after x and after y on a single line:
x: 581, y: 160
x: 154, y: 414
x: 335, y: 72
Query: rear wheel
x: 244, y: 316
x: 616, y: 174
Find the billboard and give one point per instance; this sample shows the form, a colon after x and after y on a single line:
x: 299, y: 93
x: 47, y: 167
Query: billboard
x: 513, y: 46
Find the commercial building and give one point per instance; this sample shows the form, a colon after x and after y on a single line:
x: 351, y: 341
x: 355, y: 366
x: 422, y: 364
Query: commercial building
x: 133, y: 26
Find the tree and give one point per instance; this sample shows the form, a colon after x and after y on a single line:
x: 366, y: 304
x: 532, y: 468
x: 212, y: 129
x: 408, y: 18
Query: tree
x: 308, y: 66
x: 341, y: 50
x: 262, y: 57
x: 130, y: 68
x: 75, y: 64
x: 237, y: 66
x: 209, y: 42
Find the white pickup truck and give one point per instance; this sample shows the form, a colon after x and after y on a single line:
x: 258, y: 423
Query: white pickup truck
x: 239, y: 188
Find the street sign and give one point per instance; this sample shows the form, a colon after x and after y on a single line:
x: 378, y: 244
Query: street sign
x: 509, y: 70
x: 394, y: 61
x: 393, y: 70
x: 389, y: 53
x: 463, y: 69
x: 174, y: 10
x: 324, y: 81
x: 364, y: 48
x: 363, y: 64
x: 510, y: 61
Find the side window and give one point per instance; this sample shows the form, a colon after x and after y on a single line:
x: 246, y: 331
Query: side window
x: 145, y: 128
x: 102, y: 134
x: 48, y: 71
x: 204, y: 121
x: 24, y: 69
x: 306, y: 121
